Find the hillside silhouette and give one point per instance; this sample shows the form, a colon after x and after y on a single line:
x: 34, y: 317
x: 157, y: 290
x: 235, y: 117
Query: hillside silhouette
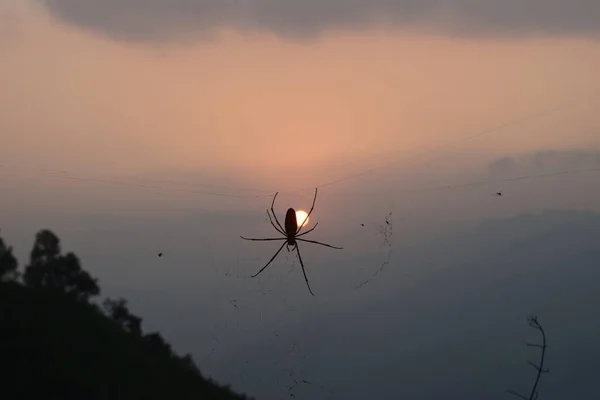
x: 56, y: 343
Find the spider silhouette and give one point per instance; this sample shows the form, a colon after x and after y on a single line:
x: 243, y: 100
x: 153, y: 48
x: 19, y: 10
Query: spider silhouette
x: 291, y: 235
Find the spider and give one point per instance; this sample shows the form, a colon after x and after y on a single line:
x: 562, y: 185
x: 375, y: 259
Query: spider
x: 291, y: 235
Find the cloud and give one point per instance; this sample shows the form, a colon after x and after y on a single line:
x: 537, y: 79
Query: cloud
x: 546, y: 161
x: 159, y: 20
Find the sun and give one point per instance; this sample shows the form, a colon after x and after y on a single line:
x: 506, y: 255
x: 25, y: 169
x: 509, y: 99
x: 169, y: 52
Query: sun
x: 301, y: 216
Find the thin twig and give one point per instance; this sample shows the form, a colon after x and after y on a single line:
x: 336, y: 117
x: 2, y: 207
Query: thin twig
x: 533, y: 322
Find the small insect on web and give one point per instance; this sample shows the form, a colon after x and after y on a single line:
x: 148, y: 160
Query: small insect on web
x: 291, y: 235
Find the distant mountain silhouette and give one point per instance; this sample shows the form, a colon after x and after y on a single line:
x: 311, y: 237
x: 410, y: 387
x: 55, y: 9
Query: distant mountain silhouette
x: 538, y: 240
x: 56, y: 344
x: 454, y: 308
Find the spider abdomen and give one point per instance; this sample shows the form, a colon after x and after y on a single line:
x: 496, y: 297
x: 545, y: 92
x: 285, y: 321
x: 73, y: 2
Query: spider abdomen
x: 291, y: 223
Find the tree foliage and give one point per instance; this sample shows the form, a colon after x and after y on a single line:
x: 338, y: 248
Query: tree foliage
x: 8, y: 263
x: 118, y: 311
x: 48, y: 268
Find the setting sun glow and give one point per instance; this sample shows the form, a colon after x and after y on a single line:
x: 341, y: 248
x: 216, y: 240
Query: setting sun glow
x: 301, y: 216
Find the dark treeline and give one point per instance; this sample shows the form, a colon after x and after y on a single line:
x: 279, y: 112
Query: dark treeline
x: 56, y: 343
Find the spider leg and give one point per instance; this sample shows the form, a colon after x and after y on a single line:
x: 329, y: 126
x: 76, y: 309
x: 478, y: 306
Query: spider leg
x: 265, y: 239
x: 273, y: 211
x: 322, y: 244
x: 303, y: 271
x: 275, y: 226
x: 270, y: 261
x: 308, y: 215
x: 308, y: 231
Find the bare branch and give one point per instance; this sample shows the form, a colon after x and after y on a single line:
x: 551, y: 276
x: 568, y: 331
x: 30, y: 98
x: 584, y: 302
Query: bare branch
x: 533, y: 365
x: 533, y: 322
x: 517, y: 394
x: 534, y: 345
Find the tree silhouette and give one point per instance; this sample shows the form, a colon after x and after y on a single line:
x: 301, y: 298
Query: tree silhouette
x: 81, y: 351
x: 189, y: 363
x: 8, y: 263
x: 118, y: 311
x: 48, y: 268
x: 156, y: 342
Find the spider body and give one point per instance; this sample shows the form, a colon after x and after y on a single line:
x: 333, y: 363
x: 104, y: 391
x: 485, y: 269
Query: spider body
x: 291, y: 226
x: 291, y: 235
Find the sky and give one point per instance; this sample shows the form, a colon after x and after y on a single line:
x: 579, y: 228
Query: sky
x: 131, y: 128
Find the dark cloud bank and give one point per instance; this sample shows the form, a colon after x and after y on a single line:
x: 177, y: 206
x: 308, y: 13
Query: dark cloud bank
x: 158, y: 20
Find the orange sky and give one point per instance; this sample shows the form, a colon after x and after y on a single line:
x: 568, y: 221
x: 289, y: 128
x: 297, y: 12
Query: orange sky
x: 254, y: 105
